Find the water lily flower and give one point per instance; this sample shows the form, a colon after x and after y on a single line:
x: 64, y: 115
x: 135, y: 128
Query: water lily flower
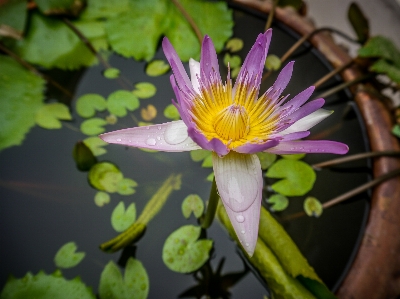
x: 234, y: 123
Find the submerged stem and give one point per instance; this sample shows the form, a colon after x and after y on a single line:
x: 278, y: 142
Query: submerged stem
x: 333, y: 73
x: 190, y: 20
x: 271, y: 15
x: 211, y: 207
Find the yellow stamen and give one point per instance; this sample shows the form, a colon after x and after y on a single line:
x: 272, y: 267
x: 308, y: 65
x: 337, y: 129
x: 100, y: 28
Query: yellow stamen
x: 232, y: 123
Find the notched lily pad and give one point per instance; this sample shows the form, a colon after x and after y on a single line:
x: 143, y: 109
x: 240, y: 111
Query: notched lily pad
x: 157, y: 68
x: 120, y: 101
x: 234, y: 61
x: 192, y: 203
x: 125, y: 186
x: 207, y: 162
x: 183, y: 253
x: 313, y: 207
x: 93, y: 126
x: 144, y: 90
x: 278, y: 202
x: 101, y: 198
x: 67, y: 257
x: 199, y: 155
x: 273, y: 62
x: 148, y: 113
x: 96, y: 145
x: 171, y: 112
x: 234, y: 44
x: 105, y: 176
x: 111, y: 73
x: 266, y: 159
x: 121, y: 219
x: 49, y: 115
x: 88, y: 104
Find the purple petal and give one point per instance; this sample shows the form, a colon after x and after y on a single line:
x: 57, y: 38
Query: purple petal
x: 305, y: 110
x: 281, y: 82
x: 309, y: 146
x: 168, y: 137
x: 299, y: 99
x: 252, y: 148
x: 295, y: 136
x: 209, y: 61
x: 214, y: 144
x: 239, y: 181
x: 307, y: 122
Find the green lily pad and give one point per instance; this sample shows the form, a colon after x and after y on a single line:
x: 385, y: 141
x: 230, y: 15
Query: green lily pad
x: 273, y: 62
x: 120, y: 101
x: 21, y: 95
x: 293, y: 156
x: 67, y: 257
x: 234, y: 44
x: 183, y: 253
x: 101, y: 198
x: 111, y: 73
x: 83, y: 156
x: 144, y: 90
x: 134, y: 284
x: 49, y: 7
x: 199, y: 155
x: 93, y: 126
x: 49, y: 115
x: 266, y: 159
x: 99, y: 9
x: 105, y: 176
x: 13, y: 14
x: 234, y: 61
x: 96, y: 144
x: 43, y: 286
x: 279, y: 202
x: 192, y: 203
x: 171, y: 112
x: 235, y: 72
x: 210, y: 177
x: 313, y: 207
x: 88, y: 104
x: 297, y: 177
x: 207, y: 162
x: 121, y: 219
x: 125, y: 186
x: 157, y: 68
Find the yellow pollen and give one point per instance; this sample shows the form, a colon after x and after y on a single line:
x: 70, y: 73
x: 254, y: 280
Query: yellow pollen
x: 232, y: 123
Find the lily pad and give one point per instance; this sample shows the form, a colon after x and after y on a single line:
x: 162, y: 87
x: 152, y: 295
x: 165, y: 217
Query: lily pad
x: 125, y: 186
x: 111, y: 73
x: 49, y: 115
x: 121, y: 219
x: 199, y: 155
x: 266, y: 159
x: 134, y: 284
x: 157, y: 68
x: 171, y: 112
x: 293, y: 156
x: 96, y: 145
x: 273, y: 62
x: 67, y: 257
x: 192, y: 203
x: 148, y: 113
x: 88, y: 104
x: 183, y: 252
x: 99, y: 9
x: 101, y: 198
x: 83, y: 156
x: 144, y: 90
x: 297, y: 177
x: 105, y: 176
x: 234, y: 44
x: 279, y: 202
x: 93, y: 126
x: 233, y: 60
x: 313, y: 207
x: 120, y: 101
x: 207, y: 162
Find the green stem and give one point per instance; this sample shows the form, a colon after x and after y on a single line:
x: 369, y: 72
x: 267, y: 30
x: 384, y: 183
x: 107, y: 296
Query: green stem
x: 190, y: 20
x: 212, y: 206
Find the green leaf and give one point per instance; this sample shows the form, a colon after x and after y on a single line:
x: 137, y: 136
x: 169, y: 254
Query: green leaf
x: 298, y: 177
x: 383, y: 67
x: 93, y: 126
x: 157, y: 68
x: 273, y: 62
x: 234, y: 61
x: 49, y: 7
x: 87, y: 104
x: 359, y: 22
x: 266, y: 159
x: 144, y: 90
x: 279, y: 202
x: 318, y: 289
x: 207, y: 162
x: 134, y: 284
x: 312, y: 207
x: 396, y: 130
x: 96, y: 145
x: 67, y: 257
x: 235, y: 72
x: 121, y: 219
x: 234, y: 44
x: 51, y: 43
x: 13, y: 15
x: 120, y: 101
x: 183, y: 253
x: 210, y: 177
x: 199, y: 155
x: 43, y: 286
x: 111, y: 73
x: 83, y: 156
x: 381, y: 47
x: 125, y: 186
x: 192, y: 203
x: 21, y: 95
x: 105, y: 176
x: 96, y: 9
x: 293, y: 156
x: 48, y: 115
x: 101, y: 198
x: 171, y: 112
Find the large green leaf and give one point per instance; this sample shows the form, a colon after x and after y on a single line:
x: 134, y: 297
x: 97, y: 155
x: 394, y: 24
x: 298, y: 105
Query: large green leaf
x: 97, y: 9
x: 381, y: 47
x: 13, y: 15
x: 383, y: 67
x: 21, y: 95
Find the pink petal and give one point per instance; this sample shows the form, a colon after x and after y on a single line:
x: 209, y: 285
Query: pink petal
x: 309, y: 146
x: 168, y: 137
x: 239, y: 181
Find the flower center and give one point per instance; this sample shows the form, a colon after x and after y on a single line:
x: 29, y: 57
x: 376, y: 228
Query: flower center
x: 232, y: 123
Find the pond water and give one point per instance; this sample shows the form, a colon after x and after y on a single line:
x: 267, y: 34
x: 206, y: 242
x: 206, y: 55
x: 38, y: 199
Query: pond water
x: 46, y: 202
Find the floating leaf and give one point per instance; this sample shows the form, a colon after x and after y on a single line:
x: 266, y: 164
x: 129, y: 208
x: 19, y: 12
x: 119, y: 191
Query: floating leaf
x: 87, y: 104
x: 101, y: 198
x: 21, y: 95
x: 233, y: 60
x: 207, y: 162
x: 313, y: 207
x: 171, y: 112
x: 383, y: 67
x: 359, y: 22
x: 210, y: 177
x: 234, y: 44
x: 396, y: 130
x: 148, y: 113
x: 96, y: 145
x: 183, y: 253
x: 105, y: 176
x: 120, y: 101
x: 235, y: 72
x: 83, y: 156
x: 111, y: 73
x: 199, y: 155
x: 125, y: 186
x: 381, y: 47
x: 93, y: 126
x: 111, y: 119
x: 49, y: 115
x: 43, y: 286
x: 157, y: 68
x: 144, y: 90
x: 273, y: 62
x: 293, y: 156
x: 67, y: 257
x: 266, y: 159
x: 134, y: 284
x: 59, y: 7
x: 279, y: 202
x: 13, y: 15
x: 104, y: 9
x: 121, y: 219
x: 192, y: 203
x: 298, y: 177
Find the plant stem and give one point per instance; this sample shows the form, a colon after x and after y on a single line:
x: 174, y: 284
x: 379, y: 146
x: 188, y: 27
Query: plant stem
x: 190, y: 20
x: 271, y: 15
x: 332, y: 73
x: 354, y: 158
x: 211, y: 207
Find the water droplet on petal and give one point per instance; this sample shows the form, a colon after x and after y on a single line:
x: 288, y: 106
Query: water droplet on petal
x: 247, y: 244
x: 119, y: 139
x: 151, y: 141
x: 240, y: 218
x: 158, y: 138
x: 176, y: 133
x: 243, y: 231
x: 159, y: 127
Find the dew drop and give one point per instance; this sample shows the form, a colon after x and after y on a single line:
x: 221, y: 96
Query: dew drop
x: 175, y: 134
x: 247, y: 244
x: 159, y: 127
x: 240, y: 218
x: 151, y: 141
x: 158, y: 138
x: 243, y: 231
x: 119, y: 139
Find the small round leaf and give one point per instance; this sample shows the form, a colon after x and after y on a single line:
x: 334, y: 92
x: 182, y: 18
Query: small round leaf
x: 273, y: 62
x: 144, y: 90
x: 125, y: 186
x: 87, y: 104
x: 157, y: 68
x: 312, y: 207
x: 111, y: 73
x: 234, y: 44
x: 121, y: 219
x: 67, y: 257
x: 93, y: 126
x: 49, y: 115
x: 105, y: 176
x: 96, y: 145
x: 171, y: 112
x: 101, y: 198
x: 148, y: 113
x: 192, y: 203
x: 279, y: 202
x: 120, y: 101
